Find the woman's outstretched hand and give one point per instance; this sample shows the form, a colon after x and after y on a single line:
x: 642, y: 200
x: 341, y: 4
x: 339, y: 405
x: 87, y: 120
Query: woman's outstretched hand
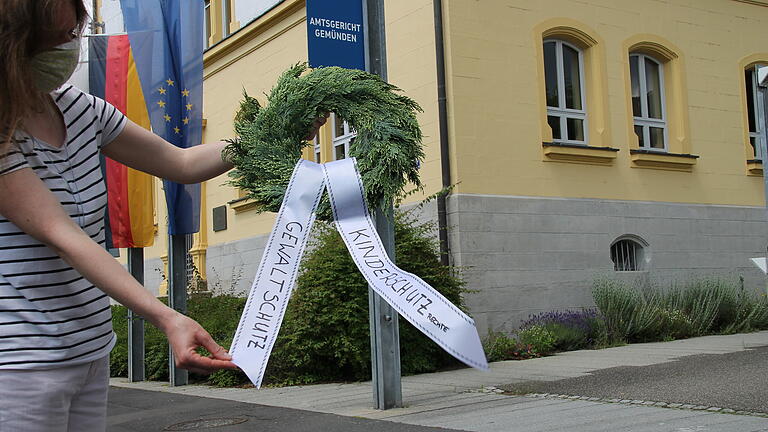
x: 185, y: 336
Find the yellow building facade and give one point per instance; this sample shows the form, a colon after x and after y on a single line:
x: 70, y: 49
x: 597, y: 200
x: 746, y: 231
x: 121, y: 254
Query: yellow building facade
x: 584, y: 138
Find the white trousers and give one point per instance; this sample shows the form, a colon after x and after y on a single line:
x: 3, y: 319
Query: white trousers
x: 66, y: 399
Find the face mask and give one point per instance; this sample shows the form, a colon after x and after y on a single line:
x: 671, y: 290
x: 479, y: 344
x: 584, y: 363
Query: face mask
x: 52, y: 68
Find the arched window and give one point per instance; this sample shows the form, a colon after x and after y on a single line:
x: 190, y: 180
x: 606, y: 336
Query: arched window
x: 755, y: 113
x: 564, y: 79
x: 628, y: 253
x: 648, y: 101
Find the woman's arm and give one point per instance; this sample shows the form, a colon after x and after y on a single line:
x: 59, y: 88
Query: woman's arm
x: 140, y: 149
x: 27, y: 202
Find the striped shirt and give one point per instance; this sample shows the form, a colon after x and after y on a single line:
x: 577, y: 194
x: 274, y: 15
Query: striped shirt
x: 50, y: 316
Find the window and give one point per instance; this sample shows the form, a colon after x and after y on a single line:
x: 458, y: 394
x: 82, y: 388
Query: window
x: 316, y: 148
x: 343, y: 135
x: 245, y: 11
x: 755, y: 113
x: 189, y: 242
x: 648, y: 108
x: 207, y: 23
x: 219, y: 20
x: 657, y: 122
x: 628, y: 254
x: 226, y: 17
x: 566, y: 107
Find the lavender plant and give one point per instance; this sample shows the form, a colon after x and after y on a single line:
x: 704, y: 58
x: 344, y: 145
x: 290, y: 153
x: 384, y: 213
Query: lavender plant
x: 571, y: 329
x: 649, y: 312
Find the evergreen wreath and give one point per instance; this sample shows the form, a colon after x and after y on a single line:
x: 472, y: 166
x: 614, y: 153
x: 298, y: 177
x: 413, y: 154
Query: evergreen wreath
x: 270, y: 139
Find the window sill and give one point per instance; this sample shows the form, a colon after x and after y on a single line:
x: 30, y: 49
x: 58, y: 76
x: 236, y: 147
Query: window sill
x: 574, y: 153
x: 662, y: 160
x: 242, y: 205
x: 755, y: 167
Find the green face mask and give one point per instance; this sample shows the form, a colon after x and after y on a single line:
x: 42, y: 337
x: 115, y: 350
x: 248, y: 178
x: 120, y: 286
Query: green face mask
x: 52, y: 68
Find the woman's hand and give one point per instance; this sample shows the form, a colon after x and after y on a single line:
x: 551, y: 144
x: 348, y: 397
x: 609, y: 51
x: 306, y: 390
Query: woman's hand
x: 185, y: 336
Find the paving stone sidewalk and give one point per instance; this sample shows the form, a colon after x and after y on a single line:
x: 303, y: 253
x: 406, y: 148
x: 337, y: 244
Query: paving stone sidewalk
x: 472, y: 400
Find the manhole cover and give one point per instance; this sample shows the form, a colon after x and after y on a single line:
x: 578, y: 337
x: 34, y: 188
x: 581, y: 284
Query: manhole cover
x: 205, y: 424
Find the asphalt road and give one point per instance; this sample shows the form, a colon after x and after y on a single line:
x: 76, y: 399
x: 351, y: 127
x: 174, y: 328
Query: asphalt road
x: 147, y: 411
x: 738, y: 381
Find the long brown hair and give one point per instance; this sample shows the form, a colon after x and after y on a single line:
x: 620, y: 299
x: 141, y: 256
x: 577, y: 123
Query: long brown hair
x: 21, y: 23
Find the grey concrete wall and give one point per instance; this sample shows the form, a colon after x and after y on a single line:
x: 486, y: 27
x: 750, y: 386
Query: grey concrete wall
x: 527, y: 255
x: 231, y: 267
x: 153, y: 275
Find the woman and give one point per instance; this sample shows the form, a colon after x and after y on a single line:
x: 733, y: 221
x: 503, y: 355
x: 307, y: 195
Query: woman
x: 55, y: 275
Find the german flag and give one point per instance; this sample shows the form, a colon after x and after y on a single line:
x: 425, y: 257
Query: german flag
x: 113, y: 77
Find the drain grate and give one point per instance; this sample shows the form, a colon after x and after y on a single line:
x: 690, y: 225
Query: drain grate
x: 205, y: 424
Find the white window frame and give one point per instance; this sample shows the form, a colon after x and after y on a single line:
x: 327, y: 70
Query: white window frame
x: 758, y: 110
x: 316, y: 148
x: 207, y: 22
x: 644, y: 120
x: 226, y: 16
x: 561, y: 112
x: 342, y: 140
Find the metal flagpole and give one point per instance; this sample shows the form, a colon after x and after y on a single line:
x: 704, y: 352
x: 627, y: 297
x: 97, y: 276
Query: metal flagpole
x: 135, y: 267
x: 177, y: 296
x: 385, y: 336
x: 136, y: 322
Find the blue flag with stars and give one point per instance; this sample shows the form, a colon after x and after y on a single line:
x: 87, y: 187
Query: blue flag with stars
x: 167, y: 40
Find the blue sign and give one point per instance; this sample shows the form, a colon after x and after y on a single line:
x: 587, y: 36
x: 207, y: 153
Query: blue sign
x: 335, y: 33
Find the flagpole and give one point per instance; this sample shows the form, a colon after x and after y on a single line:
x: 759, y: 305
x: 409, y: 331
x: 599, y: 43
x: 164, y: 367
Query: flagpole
x: 385, y: 334
x: 136, y: 322
x: 177, y: 296
x: 167, y: 46
x: 136, y: 346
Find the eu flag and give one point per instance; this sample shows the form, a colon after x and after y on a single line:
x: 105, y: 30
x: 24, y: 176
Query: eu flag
x: 167, y: 40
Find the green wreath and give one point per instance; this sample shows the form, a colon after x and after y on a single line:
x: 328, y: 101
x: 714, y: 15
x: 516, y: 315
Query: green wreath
x: 270, y: 139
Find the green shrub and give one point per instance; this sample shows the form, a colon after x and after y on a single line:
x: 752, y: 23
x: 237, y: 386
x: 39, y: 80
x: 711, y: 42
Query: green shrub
x: 752, y: 314
x: 538, y: 338
x: 707, y: 302
x: 499, y: 346
x: 675, y: 324
x: 716, y: 305
x: 218, y: 315
x: 118, y: 357
x: 618, y: 303
x: 325, y: 335
x: 567, y: 338
x: 155, y: 346
x: 699, y: 307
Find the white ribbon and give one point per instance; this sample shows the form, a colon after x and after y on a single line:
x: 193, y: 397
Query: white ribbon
x: 410, y: 296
